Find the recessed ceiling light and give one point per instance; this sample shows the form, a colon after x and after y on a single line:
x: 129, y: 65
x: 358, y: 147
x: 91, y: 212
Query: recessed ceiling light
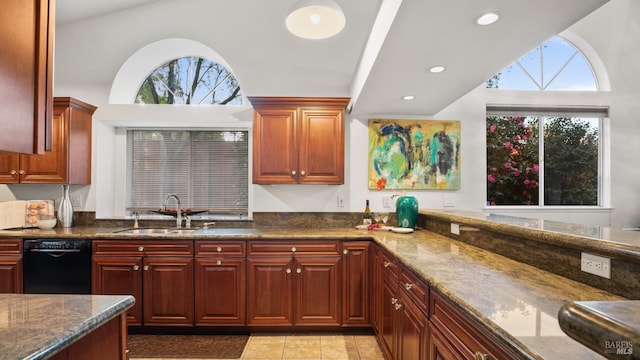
x: 315, y: 19
x: 487, y: 18
x: 436, y: 69
x: 408, y: 97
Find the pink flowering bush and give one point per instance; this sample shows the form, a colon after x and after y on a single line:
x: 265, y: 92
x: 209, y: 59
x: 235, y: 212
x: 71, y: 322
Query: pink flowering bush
x: 512, y: 160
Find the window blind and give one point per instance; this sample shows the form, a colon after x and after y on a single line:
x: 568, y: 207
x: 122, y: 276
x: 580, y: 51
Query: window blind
x: 206, y: 169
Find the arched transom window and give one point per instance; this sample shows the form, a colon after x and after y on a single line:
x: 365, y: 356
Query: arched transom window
x: 190, y: 81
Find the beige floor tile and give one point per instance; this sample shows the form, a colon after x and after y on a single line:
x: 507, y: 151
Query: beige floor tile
x: 368, y: 347
x: 302, y: 347
x: 263, y: 350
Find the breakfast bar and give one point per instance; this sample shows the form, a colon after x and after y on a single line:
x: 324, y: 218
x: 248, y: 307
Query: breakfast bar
x: 63, y: 326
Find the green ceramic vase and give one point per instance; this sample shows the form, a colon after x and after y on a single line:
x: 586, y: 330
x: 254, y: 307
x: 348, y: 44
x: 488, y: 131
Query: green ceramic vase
x: 407, y: 211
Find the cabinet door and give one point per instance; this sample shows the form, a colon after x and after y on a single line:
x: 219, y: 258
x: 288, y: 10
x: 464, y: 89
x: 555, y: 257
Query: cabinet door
x: 11, y: 274
x: 321, y: 154
x: 9, y: 168
x: 50, y: 167
x: 275, y: 146
x: 376, y: 284
x: 121, y: 275
x: 389, y: 317
x: 220, y: 291
x: 26, y: 60
x: 269, y: 291
x: 413, y: 335
x: 317, y: 290
x: 168, y: 291
x: 356, y: 283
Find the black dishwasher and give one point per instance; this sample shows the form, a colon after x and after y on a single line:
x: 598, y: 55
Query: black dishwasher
x: 57, y: 266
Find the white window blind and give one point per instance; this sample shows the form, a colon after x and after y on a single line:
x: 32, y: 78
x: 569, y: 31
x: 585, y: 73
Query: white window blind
x: 206, y: 169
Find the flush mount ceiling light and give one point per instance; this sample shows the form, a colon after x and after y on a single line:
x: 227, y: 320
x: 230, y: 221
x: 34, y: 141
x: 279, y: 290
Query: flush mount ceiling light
x: 436, y: 69
x: 315, y: 19
x: 487, y: 18
x: 408, y: 97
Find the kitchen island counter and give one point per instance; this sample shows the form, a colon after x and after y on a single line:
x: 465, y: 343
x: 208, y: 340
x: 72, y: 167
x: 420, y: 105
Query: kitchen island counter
x: 41, y: 326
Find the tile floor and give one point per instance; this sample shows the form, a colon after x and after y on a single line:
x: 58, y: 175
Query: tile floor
x: 312, y: 347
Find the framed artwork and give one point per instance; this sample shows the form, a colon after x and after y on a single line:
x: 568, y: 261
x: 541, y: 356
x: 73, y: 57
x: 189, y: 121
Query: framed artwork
x: 414, y: 154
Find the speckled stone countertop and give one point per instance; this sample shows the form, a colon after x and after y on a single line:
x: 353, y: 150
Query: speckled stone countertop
x: 516, y: 302
x: 39, y: 326
x: 610, y: 328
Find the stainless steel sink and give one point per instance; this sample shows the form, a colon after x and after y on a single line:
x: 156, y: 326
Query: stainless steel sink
x: 156, y: 231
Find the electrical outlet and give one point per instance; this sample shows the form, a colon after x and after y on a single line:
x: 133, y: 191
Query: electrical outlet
x: 340, y: 201
x: 386, y: 202
x: 455, y: 229
x: 596, y: 265
x: 76, y: 201
x: 448, y: 200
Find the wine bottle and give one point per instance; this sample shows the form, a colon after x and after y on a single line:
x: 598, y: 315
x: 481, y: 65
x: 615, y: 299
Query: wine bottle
x: 366, y: 216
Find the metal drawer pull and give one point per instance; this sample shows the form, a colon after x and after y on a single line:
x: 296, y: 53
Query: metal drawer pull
x: 394, y: 300
x: 136, y: 267
x: 140, y: 248
x: 219, y: 249
x: 293, y: 173
x: 408, y: 286
x: 303, y: 173
x: 298, y: 270
x: 146, y: 267
x: 481, y: 356
x: 219, y: 262
x: 387, y: 264
x: 345, y: 251
x: 398, y: 306
x: 288, y: 271
x: 293, y: 249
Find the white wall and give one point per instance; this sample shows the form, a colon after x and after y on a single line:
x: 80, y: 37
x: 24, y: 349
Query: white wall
x: 612, y: 31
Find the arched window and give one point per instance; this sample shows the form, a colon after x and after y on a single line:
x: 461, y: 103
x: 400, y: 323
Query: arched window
x: 190, y: 81
x: 554, y: 65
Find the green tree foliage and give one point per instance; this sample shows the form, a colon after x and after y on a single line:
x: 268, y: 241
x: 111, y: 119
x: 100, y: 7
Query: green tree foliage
x: 190, y: 80
x: 570, y: 158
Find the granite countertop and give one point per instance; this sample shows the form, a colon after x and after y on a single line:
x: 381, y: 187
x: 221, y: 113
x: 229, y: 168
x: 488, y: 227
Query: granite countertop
x: 610, y: 328
x: 518, y: 303
x: 39, y: 326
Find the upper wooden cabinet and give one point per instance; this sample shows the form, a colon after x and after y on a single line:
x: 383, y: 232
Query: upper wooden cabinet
x: 298, y: 140
x: 68, y: 162
x: 26, y: 65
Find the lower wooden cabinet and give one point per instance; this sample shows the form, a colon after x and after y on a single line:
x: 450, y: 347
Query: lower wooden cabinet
x: 159, y: 274
x: 356, y: 283
x: 108, y: 342
x: 293, y: 283
x: 220, y: 274
x: 11, y: 266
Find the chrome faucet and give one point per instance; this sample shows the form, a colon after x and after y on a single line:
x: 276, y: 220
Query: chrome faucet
x: 178, y: 209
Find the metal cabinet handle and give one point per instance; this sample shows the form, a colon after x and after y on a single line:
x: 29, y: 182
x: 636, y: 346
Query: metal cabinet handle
x: 398, y: 306
x: 408, y: 286
x: 140, y: 248
x: 13, y: 172
x: 303, y: 173
x: 387, y: 264
x: 288, y: 271
x: 145, y: 268
x: 298, y: 270
x: 22, y: 172
x: 394, y: 300
x: 481, y: 356
x: 136, y: 267
x: 219, y: 262
x: 293, y: 173
x: 293, y: 249
x: 219, y: 249
x: 345, y: 251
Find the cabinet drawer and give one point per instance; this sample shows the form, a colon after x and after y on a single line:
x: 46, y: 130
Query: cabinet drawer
x: 417, y: 290
x: 10, y: 246
x: 471, y: 341
x: 302, y: 247
x: 142, y: 247
x: 389, y: 265
x: 220, y: 248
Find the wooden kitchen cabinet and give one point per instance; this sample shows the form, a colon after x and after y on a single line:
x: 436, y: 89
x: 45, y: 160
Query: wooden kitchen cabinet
x: 159, y: 274
x: 220, y: 275
x: 26, y: 65
x: 454, y: 336
x: 11, y: 266
x: 356, y: 283
x: 69, y: 161
x: 293, y: 283
x: 298, y: 140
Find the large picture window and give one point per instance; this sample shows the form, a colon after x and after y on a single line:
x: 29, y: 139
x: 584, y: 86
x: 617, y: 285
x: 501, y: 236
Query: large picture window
x: 206, y: 169
x: 542, y: 158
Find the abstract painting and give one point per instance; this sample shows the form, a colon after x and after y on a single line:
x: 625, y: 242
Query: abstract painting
x: 414, y: 154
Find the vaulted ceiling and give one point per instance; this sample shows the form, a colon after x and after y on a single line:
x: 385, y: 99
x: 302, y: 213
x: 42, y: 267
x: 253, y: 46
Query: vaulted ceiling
x: 384, y: 52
